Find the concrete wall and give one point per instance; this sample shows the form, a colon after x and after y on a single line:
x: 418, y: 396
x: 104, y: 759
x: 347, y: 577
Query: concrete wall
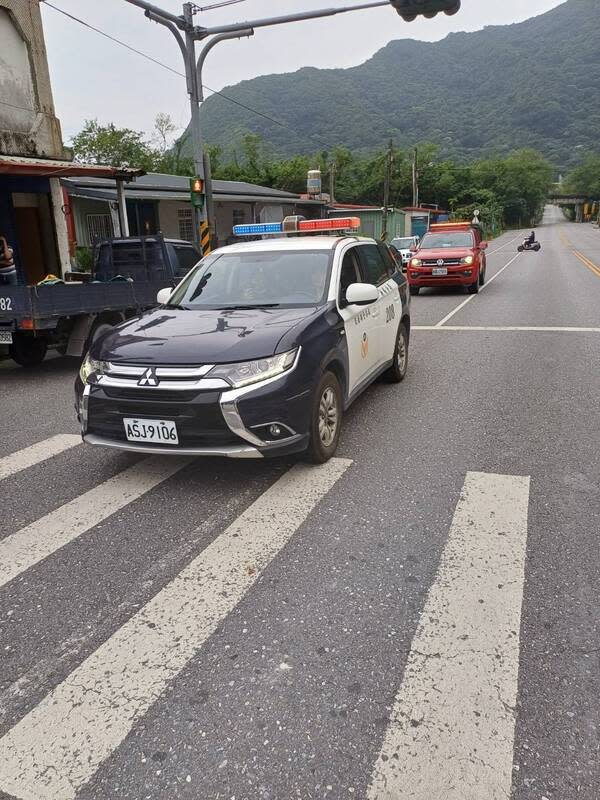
x: 28, y: 126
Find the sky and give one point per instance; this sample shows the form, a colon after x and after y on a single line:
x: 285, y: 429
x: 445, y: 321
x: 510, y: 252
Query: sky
x: 95, y: 78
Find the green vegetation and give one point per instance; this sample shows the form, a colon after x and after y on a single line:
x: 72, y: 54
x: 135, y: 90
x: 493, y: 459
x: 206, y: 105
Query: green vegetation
x: 585, y: 179
x: 530, y: 85
x: 123, y: 147
x: 509, y: 191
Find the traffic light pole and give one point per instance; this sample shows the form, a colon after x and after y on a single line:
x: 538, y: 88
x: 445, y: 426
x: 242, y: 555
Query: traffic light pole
x: 187, y: 34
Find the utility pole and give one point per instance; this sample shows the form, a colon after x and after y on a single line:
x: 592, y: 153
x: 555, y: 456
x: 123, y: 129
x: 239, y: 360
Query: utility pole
x: 389, y: 164
x: 415, y: 177
x: 332, y: 177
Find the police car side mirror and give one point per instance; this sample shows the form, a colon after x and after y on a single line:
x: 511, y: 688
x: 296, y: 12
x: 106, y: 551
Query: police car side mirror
x: 163, y: 296
x: 361, y: 294
x: 483, y: 246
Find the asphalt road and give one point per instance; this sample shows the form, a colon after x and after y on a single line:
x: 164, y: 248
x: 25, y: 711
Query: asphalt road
x: 418, y: 619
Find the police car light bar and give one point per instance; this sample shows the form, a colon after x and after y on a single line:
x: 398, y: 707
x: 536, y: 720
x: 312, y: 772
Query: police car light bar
x: 296, y: 225
x: 441, y: 226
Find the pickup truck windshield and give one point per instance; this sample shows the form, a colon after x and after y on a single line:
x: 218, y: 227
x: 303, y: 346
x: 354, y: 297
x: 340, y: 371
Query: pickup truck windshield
x: 441, y: 241
x: 269, y: 278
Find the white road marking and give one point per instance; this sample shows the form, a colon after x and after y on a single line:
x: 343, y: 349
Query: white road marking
x: 452, y: 727
x: 523, y: 328
x: 472, y: 296
x: 25, y: 548
x: 41, y: 451
x: 60, y: 744
x: 502, y: 246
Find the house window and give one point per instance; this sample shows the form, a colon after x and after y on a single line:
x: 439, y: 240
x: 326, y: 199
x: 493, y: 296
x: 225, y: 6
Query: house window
x: 99, y: 226
x: 186, y: 224
x: 238, y: 216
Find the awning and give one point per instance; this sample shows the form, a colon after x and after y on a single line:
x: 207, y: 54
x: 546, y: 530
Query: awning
x: 51, y: 168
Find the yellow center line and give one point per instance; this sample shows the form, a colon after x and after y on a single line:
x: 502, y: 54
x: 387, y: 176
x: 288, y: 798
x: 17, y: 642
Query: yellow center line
x: 587, y: 262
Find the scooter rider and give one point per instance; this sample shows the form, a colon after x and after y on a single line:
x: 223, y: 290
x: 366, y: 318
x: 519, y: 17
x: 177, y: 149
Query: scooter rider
x: 530, y: 239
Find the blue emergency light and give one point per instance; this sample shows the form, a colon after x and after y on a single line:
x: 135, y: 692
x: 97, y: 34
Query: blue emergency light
x: 257, y: 230
x: 298, y: 225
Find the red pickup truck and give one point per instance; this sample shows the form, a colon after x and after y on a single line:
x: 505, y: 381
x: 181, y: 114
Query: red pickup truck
x: 450, y: 254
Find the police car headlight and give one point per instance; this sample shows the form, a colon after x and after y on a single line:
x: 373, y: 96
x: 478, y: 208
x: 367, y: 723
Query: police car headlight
x: 416, y: 262
x: 468, y: 260
x: 248, y: 372
x: 91, y: 368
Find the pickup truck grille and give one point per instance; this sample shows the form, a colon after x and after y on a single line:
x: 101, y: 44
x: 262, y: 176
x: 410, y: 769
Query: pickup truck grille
x: 448, y: 262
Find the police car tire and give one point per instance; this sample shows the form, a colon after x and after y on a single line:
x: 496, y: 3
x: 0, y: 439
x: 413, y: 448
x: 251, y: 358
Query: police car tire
x: 482, y: 277
x: 397, y: 372
x: 473, y: 288
x: 317, y: 452
x: 414, y: 290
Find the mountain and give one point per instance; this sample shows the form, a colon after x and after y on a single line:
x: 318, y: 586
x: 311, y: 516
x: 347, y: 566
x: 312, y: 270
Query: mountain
x: 531, y: 84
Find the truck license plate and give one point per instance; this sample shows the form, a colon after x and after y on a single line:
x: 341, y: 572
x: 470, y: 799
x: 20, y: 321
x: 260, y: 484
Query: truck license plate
x: 439, y: 271
x: 158, y: 431
x: 5, y: 337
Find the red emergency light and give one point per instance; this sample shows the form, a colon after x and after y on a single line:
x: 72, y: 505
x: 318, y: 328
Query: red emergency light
x: 333, y: 224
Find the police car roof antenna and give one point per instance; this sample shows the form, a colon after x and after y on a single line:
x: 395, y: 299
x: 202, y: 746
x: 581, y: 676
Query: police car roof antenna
x: 187, y: 33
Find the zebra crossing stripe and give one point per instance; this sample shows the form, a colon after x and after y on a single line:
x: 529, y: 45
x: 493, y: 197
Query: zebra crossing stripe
x: 36, y: 453
x: 53, y: 751
x: 25, y: 548
x: 452, y: 727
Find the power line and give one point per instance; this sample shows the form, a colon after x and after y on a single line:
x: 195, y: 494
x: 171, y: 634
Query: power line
x: 315, y: 137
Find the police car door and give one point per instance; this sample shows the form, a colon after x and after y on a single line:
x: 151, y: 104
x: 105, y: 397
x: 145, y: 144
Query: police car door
x: 361, y: 324
x: 377, y: 269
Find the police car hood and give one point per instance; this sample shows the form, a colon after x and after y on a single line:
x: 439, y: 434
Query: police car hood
x: 172, y: 336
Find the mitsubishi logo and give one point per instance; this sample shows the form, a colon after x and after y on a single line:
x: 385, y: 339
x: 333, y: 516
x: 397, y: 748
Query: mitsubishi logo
x: 440, y: 262
x: 149, y: 378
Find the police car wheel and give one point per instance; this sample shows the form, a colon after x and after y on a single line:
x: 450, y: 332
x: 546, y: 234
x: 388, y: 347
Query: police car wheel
x: 473, y: 288
x: 414, y: 290
x: 326, y: 420
x: 397, y: 372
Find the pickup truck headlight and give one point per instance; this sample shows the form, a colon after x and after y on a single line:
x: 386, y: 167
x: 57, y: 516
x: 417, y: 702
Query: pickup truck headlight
x: 416, y: 262
x: 248, y: 372
x: 467, y: 260
x: 91, y: 367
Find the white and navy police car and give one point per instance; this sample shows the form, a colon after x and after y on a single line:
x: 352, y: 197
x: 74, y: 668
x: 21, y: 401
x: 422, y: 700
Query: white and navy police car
x: 258, y: 351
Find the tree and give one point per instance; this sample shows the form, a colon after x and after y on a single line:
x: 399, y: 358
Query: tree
x: 116, y: 147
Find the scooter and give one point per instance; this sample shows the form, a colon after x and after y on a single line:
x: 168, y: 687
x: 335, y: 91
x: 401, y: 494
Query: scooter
x: 527, y: 245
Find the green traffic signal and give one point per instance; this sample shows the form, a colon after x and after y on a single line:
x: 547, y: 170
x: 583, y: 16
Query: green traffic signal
x: 409, y: 10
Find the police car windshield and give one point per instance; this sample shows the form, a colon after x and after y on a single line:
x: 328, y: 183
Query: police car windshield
x: 255, y: 279
x: 440, y: 241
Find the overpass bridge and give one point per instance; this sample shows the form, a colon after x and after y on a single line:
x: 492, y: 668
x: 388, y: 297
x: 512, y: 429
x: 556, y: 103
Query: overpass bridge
x: 578, y: 202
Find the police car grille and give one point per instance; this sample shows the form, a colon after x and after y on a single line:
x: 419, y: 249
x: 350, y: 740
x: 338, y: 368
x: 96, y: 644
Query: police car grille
x: 136, y: 380
x: 156, y: 395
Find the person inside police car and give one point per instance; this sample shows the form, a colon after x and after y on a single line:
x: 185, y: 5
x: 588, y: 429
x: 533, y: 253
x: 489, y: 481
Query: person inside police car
x: 8, y: 271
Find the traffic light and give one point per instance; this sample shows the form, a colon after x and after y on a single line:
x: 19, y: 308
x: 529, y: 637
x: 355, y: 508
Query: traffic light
x: 409, y: 10
x: 197, y: 192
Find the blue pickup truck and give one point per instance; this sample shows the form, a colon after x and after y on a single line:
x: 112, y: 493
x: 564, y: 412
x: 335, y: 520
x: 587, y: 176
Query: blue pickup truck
x: 67, y: 315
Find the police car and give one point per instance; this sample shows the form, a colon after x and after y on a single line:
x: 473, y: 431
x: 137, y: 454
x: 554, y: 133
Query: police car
x: 258, y: 351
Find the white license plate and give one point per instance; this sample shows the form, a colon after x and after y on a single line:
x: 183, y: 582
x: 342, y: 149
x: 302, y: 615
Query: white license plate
x: 5, y: 337
x: 439, y: 271
x: 158, y: 431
